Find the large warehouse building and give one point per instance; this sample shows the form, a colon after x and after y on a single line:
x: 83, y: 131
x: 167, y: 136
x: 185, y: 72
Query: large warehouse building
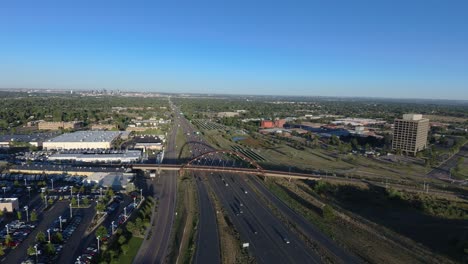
x: 83, y: 140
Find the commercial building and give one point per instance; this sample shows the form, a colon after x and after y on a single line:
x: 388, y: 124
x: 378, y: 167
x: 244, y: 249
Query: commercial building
x: 130, y: 156
x: 113, y: 180
x: 410, y: 133
x: 83, y: 140
x: 148, y: 143
x: 43, y: 125
x: 36, y: 139
x: 228, y: 114
x: 9, y: 204
x: 271, y: 124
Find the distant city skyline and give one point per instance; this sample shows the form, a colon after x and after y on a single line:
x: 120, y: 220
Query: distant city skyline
x: 397, y: 49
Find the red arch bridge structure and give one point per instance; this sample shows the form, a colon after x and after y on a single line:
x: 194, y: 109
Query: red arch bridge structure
x: 224, y: 161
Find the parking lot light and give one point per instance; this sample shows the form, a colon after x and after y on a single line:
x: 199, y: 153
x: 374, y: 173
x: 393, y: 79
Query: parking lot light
x: 71, y: 212
x: 25, y: 182
x: 112, y: 226
x: 27, y: 215
x: 29, y: 190
x: 7, y: 231
x: 71, y: 191
x: 100, y: 190
x: 60, y: 220
x: 141, y: 195
x: 125, y: 213
x: 52, y: 180
x: 78, y: 199
x: 4, y: 191
x: 98, y: 238
x: 48, y: 233
x: 35, y: 247
x: 134, y: 201
x: 45, y: 200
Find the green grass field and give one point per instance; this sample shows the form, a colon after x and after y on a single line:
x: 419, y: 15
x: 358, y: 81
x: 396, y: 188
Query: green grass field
x: 134, y: 244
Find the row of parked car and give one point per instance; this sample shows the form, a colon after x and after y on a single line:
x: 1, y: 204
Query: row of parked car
x: 18, y: 231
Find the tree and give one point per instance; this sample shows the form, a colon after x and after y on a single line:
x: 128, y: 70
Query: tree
x: 73, y: 201
x: 33, y: 216
x: 40, y: 237
x: 328, y: 213
x: 101, y: 232
x: 58, y: 237
x: 1, y: 251
x: 50, y: 201
x: 19, y: 215
x: 31, y: 251
x: 50, y: 249
x: 122, y: 239
x: 8, y: 239
x: 125, y: 248
x: 82, y: 189
x: 16, y: 183
x: 110, y: 193
x: 86, y: 201
x: 100, y: 207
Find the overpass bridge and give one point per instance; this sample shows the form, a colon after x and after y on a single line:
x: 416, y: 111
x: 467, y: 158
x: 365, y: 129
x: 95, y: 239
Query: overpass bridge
x: 267, y: 173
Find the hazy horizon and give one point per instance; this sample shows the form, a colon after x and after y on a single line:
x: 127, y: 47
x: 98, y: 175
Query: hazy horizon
x: 401, y: 49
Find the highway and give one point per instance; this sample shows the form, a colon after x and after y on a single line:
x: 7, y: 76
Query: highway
x: 207, y: 248
x: 269, y: 240
x: 310, y: 231
x: 443, y: 171
x: 164, y: 186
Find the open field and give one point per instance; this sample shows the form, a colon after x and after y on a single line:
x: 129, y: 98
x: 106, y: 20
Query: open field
x: 370, y: 220
x: 134, y: 244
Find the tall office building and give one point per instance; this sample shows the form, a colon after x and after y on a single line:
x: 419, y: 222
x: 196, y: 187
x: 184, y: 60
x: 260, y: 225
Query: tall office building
x: 410, y: 133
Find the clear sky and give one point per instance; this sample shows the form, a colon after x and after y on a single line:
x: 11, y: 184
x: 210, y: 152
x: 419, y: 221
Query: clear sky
x: 377, y: 48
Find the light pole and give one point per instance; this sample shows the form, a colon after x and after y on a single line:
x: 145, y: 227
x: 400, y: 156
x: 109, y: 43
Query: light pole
x: 134, y: 201
x: 35, y: 247
x: 78, y: 199
x: 97, y: 203
x: 29, y: 191
x: 112, y: 227
x: 27, y: 215
x: 45, y: 200
x: 4, y: 191
x: 71, y: 192
x: 52, y: 180
x: 125, y: 213
x: 100, y: 195
x: 25, y: 182
x: 78, y: 259
x: 98, y: 238
x: 71, y: 212
x: 48, y: 234
x: 141, y: 195
x: 8, y: 232
x: 60, y: 220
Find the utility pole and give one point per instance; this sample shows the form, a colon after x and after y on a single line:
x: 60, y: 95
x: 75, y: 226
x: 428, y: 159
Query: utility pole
x: 48, y: 234
x: 27, y: 214
x: 71, y: 212
x: 60, y: 220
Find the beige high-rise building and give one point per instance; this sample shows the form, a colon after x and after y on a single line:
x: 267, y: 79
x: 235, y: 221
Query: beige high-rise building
x: 410, y: 133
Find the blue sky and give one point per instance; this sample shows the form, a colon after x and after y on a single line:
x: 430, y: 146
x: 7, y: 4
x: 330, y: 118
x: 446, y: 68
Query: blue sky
x: 416, y: 49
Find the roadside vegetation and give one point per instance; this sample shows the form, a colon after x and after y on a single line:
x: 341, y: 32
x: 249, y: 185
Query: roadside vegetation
x: 183, y: 234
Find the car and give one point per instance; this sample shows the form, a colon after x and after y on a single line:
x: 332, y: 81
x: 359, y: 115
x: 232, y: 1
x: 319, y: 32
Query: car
x: 286, y: 240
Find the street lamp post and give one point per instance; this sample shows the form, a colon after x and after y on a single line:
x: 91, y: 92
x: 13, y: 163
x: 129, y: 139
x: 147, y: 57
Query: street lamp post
x: 141, y: 195
x: 29, y: 191
x: 100, y: 195
x: 60, y: 221
x: 125, y: 213
x: 71, y: 191
x: 134, y: 201
x: 71, y: 211
x: 45, y: 200
x: 25, y: 182
x: 35, y: 247
x: 27, y: 214
x: 4, y: 191
x: 112, y: 226
x: 78, y: 199
x: 48, y: 234
x: 8, y: 231
x: 52, y: 180
x: 98, y: 238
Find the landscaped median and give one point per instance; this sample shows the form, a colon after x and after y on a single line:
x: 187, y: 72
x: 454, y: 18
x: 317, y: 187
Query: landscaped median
x: 123, y: 246
x: 183, y: 234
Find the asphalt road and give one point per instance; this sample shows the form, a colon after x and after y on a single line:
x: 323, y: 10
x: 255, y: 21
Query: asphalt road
x: 443, y: 171
x: 164, y: 186
x: 207, y: 249
x: 309, y: 230
x: 269, y: 240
